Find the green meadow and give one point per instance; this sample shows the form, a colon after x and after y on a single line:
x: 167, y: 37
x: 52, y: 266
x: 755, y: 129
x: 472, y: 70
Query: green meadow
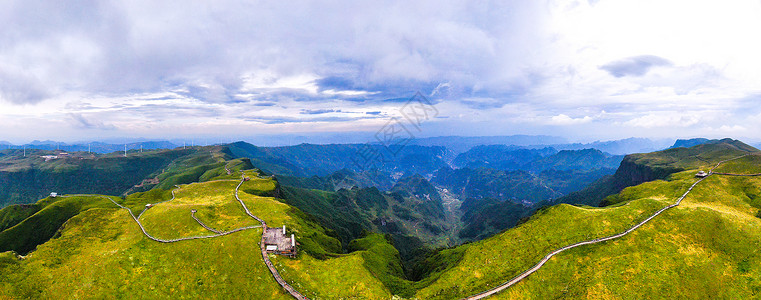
x: 706, y: 248
x: 87, y: 247
x: 101, y: 253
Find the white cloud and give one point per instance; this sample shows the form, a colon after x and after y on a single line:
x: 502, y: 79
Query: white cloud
x: 562, y: 119
x: 671, y: 119
x: 645, y: 62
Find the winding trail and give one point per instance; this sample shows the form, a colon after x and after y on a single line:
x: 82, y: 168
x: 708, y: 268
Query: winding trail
x: 142, y: 228
x: 544, y: 260
x: 193, y: 214
x: 287, y: 287
x: 275, y: 274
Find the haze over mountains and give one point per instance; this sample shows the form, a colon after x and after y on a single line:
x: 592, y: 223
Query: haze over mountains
x: 457, y: 144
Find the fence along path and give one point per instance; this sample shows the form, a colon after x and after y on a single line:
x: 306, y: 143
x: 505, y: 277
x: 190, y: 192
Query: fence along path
x: 544, y: 260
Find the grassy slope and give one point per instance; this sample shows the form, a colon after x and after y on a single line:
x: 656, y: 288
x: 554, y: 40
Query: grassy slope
x: 14, y: 214
x: 42, y: 225
x: 102, y: 253
x: 705, y: 248
x: 25, y: 179
x: 644, y: 167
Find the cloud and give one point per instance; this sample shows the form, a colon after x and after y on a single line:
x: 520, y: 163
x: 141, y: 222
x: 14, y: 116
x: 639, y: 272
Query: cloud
x: 318, y: 111
x: 562, y: 119
x: 634, y: 66
x: 79, y: 121
x: 286, y: 119
x: 483, y: 103
x: 536, y: 63
x: 671, y: 119
x: 21, y: 89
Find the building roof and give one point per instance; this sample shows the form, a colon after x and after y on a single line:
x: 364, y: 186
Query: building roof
x: 275, y: 237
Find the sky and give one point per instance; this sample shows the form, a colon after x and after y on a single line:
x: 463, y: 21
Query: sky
x: 585, y: 70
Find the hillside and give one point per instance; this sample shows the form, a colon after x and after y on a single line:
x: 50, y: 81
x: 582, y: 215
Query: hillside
x: 412, y: 214
x: 26, y: 179
x: 704, y: 248
x: 579, y: 160
x: 514, y: 186
x: 86, y: 246
x: 500, y: 157
x: 101, y: 251
x: 306, y: 160
x: 643, y: 167
x: 344, y: 178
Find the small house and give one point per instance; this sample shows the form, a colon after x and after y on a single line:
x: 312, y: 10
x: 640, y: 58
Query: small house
x: 53, y: 194
x: 278, y: 242
x: 701, y: 174
x: 49, y: 157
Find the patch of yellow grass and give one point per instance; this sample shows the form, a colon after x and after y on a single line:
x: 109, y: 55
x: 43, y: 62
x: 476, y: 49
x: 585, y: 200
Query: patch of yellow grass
x: 599, y: 291
x: 718, y: 207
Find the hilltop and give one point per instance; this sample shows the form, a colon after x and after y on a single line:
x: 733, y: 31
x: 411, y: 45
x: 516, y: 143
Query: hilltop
x: 101, y: 251
x: 40, y: 172
x: 643, y: 167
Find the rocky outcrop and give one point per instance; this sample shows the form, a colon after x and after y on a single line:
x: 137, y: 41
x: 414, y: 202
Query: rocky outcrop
x: 631, y: 173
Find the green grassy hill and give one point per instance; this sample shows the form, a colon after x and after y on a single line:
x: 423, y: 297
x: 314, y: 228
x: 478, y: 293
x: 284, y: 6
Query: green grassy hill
x: 708, y: 247
x: 100, y: 252
x: 705, y: 248
x: 27, y: 179
x: 643, y: 167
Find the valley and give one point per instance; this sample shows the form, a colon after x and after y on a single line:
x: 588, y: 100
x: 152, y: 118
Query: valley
x: 405, y: 239
x: 380, y: 150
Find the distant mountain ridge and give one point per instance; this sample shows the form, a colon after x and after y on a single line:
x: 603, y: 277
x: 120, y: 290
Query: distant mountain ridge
x: 95, y: 147
x: 620, y: 147
x: 689, y: 142
x: 310, y: 159
x: 503, y: 157
x: 643, y: 167
x: 460, y: 144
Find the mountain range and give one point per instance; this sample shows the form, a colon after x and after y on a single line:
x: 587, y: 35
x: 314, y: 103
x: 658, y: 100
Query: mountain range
x: 408, y: 227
